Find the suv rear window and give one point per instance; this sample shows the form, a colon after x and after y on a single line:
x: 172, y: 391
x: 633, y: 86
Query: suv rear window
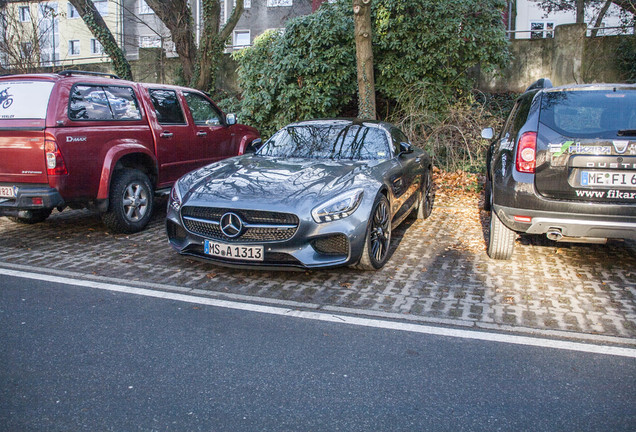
x: 89, y: 102
x: 24, y: 99
x: 590, y: 113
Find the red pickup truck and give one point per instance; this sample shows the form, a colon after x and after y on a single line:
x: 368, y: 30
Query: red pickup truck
x: 91, y: 140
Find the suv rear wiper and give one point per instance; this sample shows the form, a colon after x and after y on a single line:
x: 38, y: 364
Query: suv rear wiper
x: 626, y: 132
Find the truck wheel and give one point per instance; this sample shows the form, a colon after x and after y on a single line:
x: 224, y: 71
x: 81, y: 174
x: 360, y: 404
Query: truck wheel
x: 502, y: 239
x: 378, y: 239
x: 130, y: 202
x: 425, y: 206
x: 31, y: 216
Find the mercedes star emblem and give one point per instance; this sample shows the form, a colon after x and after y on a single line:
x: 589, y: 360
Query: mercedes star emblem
x: 231, y: 225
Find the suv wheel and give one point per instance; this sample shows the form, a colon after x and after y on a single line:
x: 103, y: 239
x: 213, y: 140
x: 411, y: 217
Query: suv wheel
x: 131, y: 202
x: 31, y: 216
x: 502, y: 239
x: 378, y: 239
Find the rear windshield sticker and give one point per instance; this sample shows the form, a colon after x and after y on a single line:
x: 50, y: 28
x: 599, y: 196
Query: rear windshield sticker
x: 578, y: 148
x: 24, y: 99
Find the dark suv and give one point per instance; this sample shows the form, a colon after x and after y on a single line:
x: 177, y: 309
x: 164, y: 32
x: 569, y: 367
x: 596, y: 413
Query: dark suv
x: 564, y: 165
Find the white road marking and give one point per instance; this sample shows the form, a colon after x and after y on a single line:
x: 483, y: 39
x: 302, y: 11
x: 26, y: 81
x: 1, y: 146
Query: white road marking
x: 334, y: 318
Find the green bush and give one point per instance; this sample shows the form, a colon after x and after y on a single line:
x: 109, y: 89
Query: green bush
x: 424, y: 52
x: 309, y: 71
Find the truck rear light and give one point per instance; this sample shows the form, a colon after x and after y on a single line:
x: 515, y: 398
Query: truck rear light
x: 527, y: 153
x: 37, y: 201
x: 54, y: 161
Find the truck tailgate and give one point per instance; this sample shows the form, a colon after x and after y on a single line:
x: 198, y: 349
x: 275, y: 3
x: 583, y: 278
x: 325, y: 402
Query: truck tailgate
x: 22, y: 158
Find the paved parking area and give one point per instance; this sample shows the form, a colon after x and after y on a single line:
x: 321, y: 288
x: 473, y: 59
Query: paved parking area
x: 439, y: 273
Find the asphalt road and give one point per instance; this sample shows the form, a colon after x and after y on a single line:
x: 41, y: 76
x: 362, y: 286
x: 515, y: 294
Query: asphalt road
x: 83, y: 359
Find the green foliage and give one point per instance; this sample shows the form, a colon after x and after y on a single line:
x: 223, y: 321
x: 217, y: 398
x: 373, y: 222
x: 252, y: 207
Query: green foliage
x: 423, y: 52
x: 432, y: 46
x: 308, y: 71
x: 627, y: 58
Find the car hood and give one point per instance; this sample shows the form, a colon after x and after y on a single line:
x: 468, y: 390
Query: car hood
x: 273, y: 181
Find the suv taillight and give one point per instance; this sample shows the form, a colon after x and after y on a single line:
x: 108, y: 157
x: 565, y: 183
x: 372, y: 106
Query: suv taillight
x: 54, y: 161
x: 527, y: 153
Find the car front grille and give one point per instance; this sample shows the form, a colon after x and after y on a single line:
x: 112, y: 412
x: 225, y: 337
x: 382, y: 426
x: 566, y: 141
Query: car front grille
x: 259, y: 226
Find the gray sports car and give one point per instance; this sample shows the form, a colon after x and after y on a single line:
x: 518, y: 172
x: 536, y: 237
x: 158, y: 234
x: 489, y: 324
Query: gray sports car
x: 318, y: 193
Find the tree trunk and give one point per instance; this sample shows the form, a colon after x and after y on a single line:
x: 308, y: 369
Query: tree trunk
x: 364, y: 58
x: 213, y: 41
x: 599, y: 19
x: 199, y: 64
x: 100, y: 30
x: 580, y: 11
x: 177, y: 17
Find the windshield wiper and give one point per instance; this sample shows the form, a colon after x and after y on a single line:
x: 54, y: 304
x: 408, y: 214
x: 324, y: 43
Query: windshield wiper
x: 626, y: 132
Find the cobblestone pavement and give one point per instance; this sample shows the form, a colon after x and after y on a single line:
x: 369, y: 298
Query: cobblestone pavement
x: 439, y: 273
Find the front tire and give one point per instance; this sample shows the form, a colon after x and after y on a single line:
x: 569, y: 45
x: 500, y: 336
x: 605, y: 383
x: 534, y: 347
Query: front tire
x: 378, y: 238
x: 502, y: 239
x: 30, y: 217
x: 130, y: 203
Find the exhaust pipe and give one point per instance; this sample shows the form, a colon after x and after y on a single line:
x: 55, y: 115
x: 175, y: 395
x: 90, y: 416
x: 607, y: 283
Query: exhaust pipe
x: 554, y: 234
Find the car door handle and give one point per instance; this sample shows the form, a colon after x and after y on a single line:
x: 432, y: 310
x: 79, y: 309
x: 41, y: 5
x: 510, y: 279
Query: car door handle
x: 202, y: 134
x: 166, y: 134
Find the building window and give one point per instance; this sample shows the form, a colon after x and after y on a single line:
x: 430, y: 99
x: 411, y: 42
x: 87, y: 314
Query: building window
x: 149, y: 42
x: 72, y: 12
x: 25, y: 14
x: 241, y: 38
x: 96, y: 47
x: 73, y: 47
x: 277, y: 3
x: 540, y: 30
x: 101, y: 6
x: 144, y: 8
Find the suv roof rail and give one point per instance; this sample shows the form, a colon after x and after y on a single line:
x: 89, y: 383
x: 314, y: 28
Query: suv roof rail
x: 542, y: 83
x: 70, y: 72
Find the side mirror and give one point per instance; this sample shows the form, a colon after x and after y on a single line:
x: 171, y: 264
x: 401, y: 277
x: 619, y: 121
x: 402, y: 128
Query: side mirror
x: 230, y: 119
x: 487, y: 133
x: 405, y: 148
x: 254, y: 146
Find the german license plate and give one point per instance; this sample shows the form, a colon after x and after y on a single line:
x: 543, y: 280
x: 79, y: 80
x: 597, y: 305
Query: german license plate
x: 8, y: 191
x: 234, y: 252
x: 608, y: 178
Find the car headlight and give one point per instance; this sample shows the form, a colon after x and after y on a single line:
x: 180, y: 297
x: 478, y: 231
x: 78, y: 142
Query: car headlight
x: 175, y: 197
x: 339, y: 207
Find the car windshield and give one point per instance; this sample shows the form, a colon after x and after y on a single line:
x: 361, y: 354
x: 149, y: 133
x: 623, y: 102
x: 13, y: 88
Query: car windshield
x: 593, y: 113
x: 328, y: 141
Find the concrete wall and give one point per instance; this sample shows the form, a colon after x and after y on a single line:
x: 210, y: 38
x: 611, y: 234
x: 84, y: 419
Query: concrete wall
x: 569, y: 57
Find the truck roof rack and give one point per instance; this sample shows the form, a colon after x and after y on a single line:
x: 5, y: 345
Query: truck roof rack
x: 542, y: 83
x: 70, y: 72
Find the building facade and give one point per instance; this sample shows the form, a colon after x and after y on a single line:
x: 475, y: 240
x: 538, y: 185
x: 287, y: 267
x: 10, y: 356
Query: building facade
x: 51, y: 33
x: 526, y: 20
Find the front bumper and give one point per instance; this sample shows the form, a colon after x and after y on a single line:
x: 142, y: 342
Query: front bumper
x: 31, y: 197
x: 304, y: 250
